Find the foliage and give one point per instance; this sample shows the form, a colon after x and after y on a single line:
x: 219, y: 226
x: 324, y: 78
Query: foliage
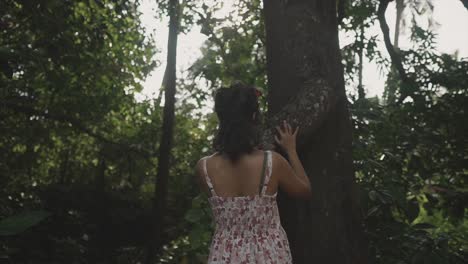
x: 235, y: 49
x: 410, y: 160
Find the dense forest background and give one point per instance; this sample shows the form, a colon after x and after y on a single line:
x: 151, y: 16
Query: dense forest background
x: 80, y: 157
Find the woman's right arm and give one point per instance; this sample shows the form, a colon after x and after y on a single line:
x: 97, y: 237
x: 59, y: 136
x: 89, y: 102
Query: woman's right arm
x: 292, y: 177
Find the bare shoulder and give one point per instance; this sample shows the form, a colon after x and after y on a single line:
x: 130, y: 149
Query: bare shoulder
x: 199, y: 165
x: 199, y: 175
x: 278, y: 158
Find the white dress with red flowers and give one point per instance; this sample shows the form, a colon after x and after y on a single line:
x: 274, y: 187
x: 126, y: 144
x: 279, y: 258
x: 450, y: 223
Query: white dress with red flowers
x: 248, y: 228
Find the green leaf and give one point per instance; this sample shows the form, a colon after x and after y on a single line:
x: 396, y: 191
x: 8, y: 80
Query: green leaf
x: 373, y: 210
x: 16, y: 224
x: 194, y: 215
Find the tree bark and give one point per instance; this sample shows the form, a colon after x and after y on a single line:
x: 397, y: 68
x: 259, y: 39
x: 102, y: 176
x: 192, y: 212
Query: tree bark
x: 162, y: 176
x: 306, y: 87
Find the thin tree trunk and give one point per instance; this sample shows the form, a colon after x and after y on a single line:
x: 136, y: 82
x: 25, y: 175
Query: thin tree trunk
x: 392, y: 84
x: 161, y: 90
x: 400, y: 7
x: 64, y: 163
x: 306, y: 87
x: 361, y: 92
x: 162, y: 176
x: 100, y: 251
x: 407, y: 85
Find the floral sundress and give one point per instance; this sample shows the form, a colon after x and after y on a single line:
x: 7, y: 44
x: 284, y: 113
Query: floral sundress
x: 248, y: 228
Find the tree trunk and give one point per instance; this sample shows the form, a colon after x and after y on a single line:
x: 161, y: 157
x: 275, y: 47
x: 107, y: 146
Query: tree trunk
x: 162, y: 176
x: 306, y: 87
x: 100, y: 250
x: 392, y: 84
x: 361, y: 91
x: 407, y: 85
x: 400, y: 6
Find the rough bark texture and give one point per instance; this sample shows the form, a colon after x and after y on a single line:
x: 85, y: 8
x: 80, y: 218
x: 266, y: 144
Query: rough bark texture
x: 161, y: 184
x: 306, y: 87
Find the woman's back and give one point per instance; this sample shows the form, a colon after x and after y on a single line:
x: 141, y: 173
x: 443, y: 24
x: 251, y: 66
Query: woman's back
x: 241, y: 178
x: 248, y: 228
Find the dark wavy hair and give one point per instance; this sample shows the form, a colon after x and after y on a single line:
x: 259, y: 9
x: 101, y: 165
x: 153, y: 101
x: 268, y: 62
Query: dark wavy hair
x: 237, y: 130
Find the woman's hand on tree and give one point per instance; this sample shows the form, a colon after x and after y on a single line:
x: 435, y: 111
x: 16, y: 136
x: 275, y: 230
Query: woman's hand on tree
x: 287, y: 139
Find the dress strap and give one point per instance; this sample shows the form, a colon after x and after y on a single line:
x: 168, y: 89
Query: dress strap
x: 207, y: 178
x: 262, y: 175
x: 266, y: 171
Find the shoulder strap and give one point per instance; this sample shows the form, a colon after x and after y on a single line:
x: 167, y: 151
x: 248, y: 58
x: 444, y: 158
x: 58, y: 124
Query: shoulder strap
x: 262, y: 175
x: 207, y: 178
x: 266, y: 172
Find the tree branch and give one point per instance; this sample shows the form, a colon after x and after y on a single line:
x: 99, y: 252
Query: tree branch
x: 77, y: 124
x: 465, y: 3
x: 307, y: 110
x: 394, y: 56
x: 209, y: 32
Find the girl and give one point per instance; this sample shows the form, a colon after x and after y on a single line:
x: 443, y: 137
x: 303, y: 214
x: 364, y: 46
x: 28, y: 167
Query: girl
x: 242, y: 181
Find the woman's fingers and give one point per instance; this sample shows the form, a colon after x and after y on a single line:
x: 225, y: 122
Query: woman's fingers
x: 286, y: 129
x: 279, y: 130
x: 285, y: 125
x: 295, y: 132
x: 277, y: 140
